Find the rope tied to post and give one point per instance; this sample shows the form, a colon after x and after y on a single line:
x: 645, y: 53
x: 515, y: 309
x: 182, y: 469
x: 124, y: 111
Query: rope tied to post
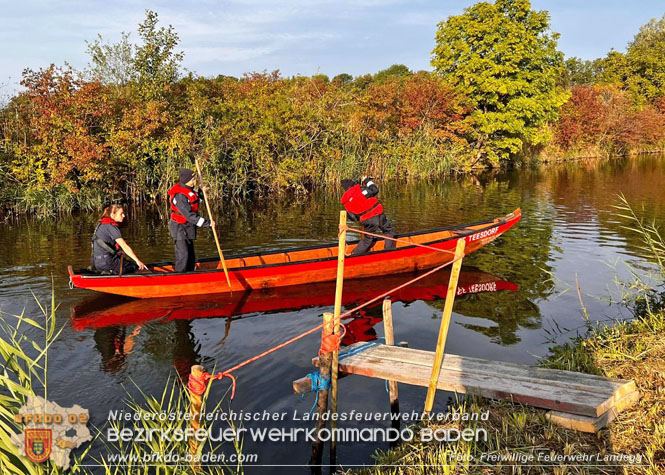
x: 198, y: 384
x: 331, y: 342
x: 319, y: 383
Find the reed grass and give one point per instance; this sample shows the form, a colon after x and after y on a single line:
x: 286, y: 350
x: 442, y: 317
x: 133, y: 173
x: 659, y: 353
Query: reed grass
x: 151, y: 457
x: 24, y: 373
x: 24, y: 350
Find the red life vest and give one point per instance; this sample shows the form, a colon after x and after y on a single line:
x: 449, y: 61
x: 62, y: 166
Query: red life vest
x: 110, y: 221
x: 191, y: 195
x: 355, y: 202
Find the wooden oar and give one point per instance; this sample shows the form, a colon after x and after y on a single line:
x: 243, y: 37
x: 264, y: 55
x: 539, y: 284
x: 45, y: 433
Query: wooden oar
x: 214, y: 231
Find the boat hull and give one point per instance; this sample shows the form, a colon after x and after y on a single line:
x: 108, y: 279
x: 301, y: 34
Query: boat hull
x: 299, y: 266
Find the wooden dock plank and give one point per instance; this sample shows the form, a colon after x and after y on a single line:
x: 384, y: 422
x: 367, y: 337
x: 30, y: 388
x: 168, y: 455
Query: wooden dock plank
x: 426, y: 358
x: 562, y: 391
x: 516, y: 372
x: 592, y: 424
x: 497, y: 387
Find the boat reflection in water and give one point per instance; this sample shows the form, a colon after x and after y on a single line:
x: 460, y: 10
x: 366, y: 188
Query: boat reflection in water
x: 110, y: 316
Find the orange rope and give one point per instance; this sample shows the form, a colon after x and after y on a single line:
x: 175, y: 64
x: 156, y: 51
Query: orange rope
x: 199, y: 385
x: 334, y: 345
x: 381, y: 236
x: 331, y: 342
x: 399, y: 287
x: 319, y: 327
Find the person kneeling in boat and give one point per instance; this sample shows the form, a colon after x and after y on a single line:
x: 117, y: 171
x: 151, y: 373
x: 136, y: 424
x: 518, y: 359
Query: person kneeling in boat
x: 360, y: 202
x: 185, y: 220
x: 107, y: 244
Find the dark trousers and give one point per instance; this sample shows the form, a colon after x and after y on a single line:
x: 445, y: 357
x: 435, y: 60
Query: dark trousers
x: 112, y: 266
x: 374, y: 225
x: 185, y: 259
x: 128, y: 266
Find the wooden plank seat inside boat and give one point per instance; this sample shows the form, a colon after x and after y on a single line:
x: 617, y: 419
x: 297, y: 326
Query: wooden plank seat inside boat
x: 309, y: 254
x: 305, y: 254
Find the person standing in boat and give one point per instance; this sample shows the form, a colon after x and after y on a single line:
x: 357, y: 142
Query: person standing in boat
x: 107, y: 242
x: 185, y: 220
x: 359, y: 200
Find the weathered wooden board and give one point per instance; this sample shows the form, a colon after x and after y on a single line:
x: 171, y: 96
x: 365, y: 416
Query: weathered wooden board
x: 592, y: 424
x: 563, y: 391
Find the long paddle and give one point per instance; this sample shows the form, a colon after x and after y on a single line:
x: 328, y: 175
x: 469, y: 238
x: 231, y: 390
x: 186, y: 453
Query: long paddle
x: 214, y: 231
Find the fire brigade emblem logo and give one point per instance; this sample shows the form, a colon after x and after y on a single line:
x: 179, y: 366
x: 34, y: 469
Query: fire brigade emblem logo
x: 38, y: 444
x: 50, y: 432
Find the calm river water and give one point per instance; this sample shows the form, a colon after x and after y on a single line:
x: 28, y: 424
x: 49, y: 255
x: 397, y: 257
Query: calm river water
x: 527, y: 301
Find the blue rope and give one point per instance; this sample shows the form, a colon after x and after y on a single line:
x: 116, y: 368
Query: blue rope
x: 318, y: 384
x: 322, y: 384
x: 359, y: 349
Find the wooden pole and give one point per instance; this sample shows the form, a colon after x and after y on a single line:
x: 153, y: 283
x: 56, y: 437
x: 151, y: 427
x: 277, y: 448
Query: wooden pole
x: 445, y: 323
x: 196, y: 401
x: 341, y: 249
x: 214, y: 231
x: 325, y: 360
x: 388, y: 331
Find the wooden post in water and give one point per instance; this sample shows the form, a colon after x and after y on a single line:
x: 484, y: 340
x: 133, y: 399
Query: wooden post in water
x: 196, y: 401
x: 389, y: 333
x: 341, y: 250
x: 324, y: 369
x: 445, y: 323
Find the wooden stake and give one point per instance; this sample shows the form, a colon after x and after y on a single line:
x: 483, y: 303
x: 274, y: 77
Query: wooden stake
x: 324, y: 369
x: 388, y: 331
x: 196, y: 401
x: 445, y: 323
x: 341, y: 249
x: 214, y: 231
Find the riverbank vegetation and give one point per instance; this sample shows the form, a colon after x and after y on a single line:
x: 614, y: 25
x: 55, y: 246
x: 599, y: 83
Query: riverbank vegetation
x: 500, y: 94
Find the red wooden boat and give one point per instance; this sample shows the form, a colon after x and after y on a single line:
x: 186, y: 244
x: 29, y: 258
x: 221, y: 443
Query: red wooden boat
x: 103, y: 311
x: 299, y: 266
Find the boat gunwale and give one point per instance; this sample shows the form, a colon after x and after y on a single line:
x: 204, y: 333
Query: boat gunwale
x: 492, y: 223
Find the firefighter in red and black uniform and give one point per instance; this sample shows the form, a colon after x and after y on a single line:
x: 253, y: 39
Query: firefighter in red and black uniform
x: 107, y: 242
x: 361, y: 204
x: 185, y: 220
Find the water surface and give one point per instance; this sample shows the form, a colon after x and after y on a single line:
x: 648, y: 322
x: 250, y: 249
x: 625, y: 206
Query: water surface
x: 520, y: 292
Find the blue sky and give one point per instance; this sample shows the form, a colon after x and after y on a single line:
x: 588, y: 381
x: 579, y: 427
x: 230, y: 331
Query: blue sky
x: 297, y: 37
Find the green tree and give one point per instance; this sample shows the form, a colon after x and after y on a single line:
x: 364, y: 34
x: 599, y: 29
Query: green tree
x: 579, y: 72
x: 156, y: 62
x: 342, y: 79
x: 398, y: 70
x: 153, y: 65
x: 612, y: 69
x: 503, y: 57
x: 645, y: 61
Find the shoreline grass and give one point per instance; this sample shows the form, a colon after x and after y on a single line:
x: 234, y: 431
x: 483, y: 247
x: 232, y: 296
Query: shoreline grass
x: 630, y: 350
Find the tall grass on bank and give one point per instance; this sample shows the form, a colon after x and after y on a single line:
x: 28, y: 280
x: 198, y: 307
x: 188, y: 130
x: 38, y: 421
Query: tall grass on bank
x: 23, y: 373
x: 160, y: 455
